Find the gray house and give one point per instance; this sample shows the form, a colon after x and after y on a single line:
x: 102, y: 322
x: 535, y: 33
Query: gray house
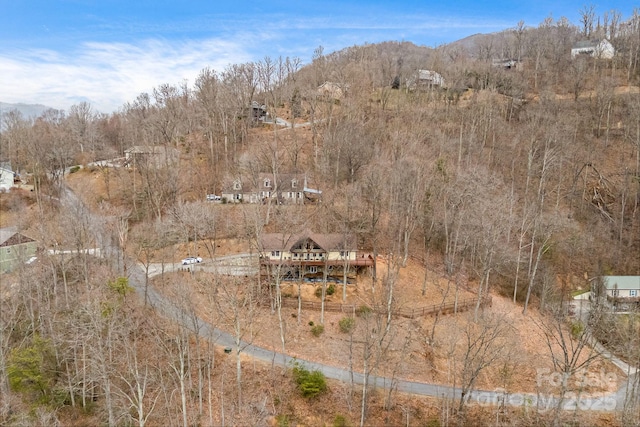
x: 284, y: 188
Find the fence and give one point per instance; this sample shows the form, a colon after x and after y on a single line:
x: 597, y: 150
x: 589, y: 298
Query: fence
x: 411, y: 313
x: 313, y: 305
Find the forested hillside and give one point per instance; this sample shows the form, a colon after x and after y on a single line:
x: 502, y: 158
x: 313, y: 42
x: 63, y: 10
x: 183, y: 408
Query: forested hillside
x: 520, y: 182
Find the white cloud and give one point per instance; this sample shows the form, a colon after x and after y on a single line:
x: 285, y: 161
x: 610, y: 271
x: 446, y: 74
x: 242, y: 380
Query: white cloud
x: 107, y: 75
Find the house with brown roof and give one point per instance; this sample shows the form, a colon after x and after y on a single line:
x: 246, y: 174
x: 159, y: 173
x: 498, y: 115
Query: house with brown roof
x: 15, y: 248
x: 286, y: 188
x: 311, y: 256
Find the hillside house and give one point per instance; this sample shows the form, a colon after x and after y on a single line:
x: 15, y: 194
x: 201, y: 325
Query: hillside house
x: 426, y: 79
x: 7, y: 176
x: 15, y: 248
x: 289, y: 188
x: 155, y: 156
x: 601, y: 49
x: 507, y: 64
x: 258, y: 111
x: 311, y: 257
x: 622, y: 292
x: 332, y: 90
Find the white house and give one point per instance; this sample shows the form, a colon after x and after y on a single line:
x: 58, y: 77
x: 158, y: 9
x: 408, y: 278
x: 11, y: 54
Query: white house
x: 601, y: 49
x: 6, y: 176
x: 622, y: 287
x: 621, y: 293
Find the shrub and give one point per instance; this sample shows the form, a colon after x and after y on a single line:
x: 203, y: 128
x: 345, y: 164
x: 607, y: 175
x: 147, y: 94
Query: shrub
x: 310, y: 322
x: 282, y: 421
x: 577, y: 329
x: 31, y: 370
x: 340, y: 421
x: 310, y: 383
x: 74, y: 169
x: 121, y: 286
x: 317, y: 330
x: 363, y: 311
x: 331, y: 289
x: 347, y: 324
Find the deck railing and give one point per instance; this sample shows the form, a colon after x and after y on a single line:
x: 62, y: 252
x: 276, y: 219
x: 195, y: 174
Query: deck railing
x: 411, y: 313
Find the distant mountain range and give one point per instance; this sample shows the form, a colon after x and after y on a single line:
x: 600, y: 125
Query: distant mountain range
x: 27, y: 110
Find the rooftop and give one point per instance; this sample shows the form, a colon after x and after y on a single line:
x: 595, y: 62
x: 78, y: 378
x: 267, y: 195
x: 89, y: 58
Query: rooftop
x: 621, y: 282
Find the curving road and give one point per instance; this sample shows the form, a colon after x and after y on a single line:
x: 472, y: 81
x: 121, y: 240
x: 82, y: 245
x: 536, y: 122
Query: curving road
x: 599, y: 402
x: 230, y: 265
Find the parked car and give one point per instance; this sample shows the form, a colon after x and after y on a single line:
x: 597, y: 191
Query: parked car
x: 191, y: 260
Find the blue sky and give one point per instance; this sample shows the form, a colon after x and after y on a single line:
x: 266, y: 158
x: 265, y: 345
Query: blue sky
x: 62, y: 52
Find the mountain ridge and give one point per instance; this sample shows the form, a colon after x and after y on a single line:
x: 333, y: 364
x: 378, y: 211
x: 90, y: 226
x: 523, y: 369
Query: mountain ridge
x: 27, y: 110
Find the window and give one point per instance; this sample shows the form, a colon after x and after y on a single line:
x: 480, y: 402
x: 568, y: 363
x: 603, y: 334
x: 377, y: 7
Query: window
x: 267, y: 183
x: 236, y: 185
x: 294, y: 183
x: 615, y: 292
x: 313, y: 269
x: 633, y: 293
x: 275, y: 253
x: 344, y: 254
